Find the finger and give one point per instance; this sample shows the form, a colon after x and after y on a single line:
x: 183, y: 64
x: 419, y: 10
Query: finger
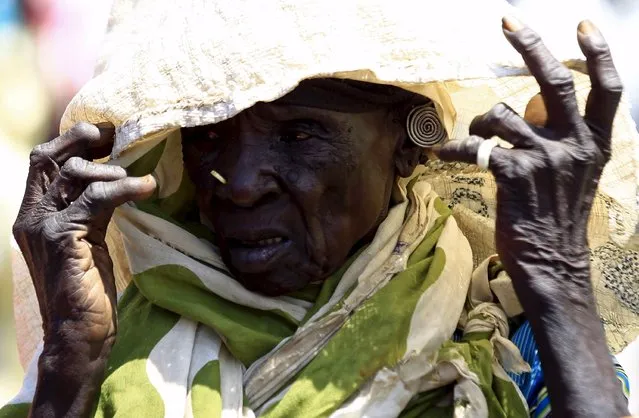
x: 82, y: 140
x: 504, y: 122
x: 101, y: 198
x: 605, y: 94
x: 462, y: 150
x: 554, y: 79
x: 465, y: 150
x: 45, y: 159
x: 74, y: 176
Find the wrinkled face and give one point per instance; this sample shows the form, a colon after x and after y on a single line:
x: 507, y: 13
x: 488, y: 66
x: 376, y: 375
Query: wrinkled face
x: 304, y: 187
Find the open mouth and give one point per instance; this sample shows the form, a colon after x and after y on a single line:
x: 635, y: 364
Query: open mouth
x: 257, y: 255
x: 256, y: 243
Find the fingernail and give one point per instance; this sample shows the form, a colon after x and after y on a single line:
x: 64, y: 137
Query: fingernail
x: 150, y: 178
x: 511, y: 24
x: 586, y: 27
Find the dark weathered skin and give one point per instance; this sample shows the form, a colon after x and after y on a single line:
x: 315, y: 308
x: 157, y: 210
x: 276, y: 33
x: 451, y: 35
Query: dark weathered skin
x: 546, y: 186
x: 327, y: 196
x: 71, y: 270
x: 318, y: 178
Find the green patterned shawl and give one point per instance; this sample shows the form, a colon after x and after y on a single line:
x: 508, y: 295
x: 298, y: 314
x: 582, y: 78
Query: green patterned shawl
x: 374, y: 339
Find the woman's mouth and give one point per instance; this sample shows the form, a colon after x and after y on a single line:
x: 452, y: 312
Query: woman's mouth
x: 257, y: 255
x: 260, y: 243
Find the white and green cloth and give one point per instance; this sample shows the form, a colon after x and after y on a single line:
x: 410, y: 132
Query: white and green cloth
x: 167, y: 64
x: 374, y: 339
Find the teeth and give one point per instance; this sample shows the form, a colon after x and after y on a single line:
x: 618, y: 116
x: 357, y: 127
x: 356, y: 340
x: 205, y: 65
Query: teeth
x: 264, y: 242
x: 270, y: 241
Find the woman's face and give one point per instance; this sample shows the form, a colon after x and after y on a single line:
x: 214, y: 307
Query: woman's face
x: 303, y: 187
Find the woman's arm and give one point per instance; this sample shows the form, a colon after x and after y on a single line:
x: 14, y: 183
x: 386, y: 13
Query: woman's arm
x: 546, y: 186
x: 61, y: 229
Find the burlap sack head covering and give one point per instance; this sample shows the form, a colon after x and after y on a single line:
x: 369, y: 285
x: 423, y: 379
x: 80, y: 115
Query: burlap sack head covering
x: 172, y: 64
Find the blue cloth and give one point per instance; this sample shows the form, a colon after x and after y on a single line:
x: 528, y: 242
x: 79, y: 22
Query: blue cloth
x: 532, y: 384
x: 529, y: 383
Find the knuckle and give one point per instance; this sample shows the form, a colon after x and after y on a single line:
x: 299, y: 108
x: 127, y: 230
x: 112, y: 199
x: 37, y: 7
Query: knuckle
x: 525, y: 167
x: 560, y: 77
x: 120, y: 172
x: 519, y: 166
x: 501, y: 112
x: 590, y: 150
x: 74, y: 166
x: 505, y: 173
x: 529, y: 40
x: 470, y: 145
x: 84, y: 130
x: 498, y: 115
x: 491, y: 116
x: 598, y: 49
x: 586, y: 154
x: 498, y: 161
x: 95, y: 191
x: 38, y: 154
x: 611, y: 82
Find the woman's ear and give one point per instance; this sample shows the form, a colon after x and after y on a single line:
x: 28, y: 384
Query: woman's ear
x: 407, y: 154
x: 421, y: 129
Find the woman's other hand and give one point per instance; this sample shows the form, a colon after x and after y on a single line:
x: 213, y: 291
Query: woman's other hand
x: 546, y: 185
x: 61, y: 230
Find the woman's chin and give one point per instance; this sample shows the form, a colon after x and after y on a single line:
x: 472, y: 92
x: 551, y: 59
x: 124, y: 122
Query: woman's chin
x: 278, y: 281
x: 274, y: 283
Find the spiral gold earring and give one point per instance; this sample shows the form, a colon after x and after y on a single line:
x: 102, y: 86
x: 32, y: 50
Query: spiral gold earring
x: 424, y: 127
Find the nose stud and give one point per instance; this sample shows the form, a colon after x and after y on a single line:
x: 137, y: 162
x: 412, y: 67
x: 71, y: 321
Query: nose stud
x: 218, y: 177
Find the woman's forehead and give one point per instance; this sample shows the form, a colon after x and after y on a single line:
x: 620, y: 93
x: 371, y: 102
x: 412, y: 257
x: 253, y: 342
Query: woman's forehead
x: 329, y: 100
x: 347, y: 96
x: 278, y: 111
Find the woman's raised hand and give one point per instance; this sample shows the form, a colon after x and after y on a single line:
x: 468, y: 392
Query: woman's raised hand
x: 546, y: 185
x: 547, y: 182
x: 61, y: 230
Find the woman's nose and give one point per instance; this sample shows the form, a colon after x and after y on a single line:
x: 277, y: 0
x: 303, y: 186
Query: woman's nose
x: 250, y: 177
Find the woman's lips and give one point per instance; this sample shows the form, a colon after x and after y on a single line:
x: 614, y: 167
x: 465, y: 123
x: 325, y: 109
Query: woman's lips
x: 257, y: 256
x: 261, y: 242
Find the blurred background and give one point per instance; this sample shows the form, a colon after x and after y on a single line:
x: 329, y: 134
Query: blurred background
x: 47, y: 52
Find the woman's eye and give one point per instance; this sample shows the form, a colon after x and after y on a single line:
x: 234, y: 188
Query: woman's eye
x: 295, y: 136
x: 204, y: 141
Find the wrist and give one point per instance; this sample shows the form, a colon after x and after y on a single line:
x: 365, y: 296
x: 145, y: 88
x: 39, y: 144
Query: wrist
x: 74, y: 367
x: 559, y: 303
x: 69, y: 380
x: 76, y: 359
x: 578, y: 369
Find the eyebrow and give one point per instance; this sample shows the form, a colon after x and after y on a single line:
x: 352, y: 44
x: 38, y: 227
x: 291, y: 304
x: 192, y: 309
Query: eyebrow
x: 287, y: 112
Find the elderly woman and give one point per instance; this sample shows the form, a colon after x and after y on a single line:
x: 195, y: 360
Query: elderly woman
x: 343, y: 276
